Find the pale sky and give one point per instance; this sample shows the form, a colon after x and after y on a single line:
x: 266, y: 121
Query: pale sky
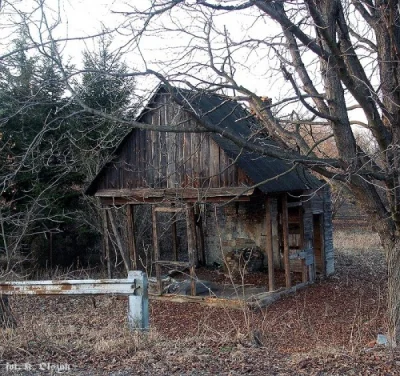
x: 85, y: 17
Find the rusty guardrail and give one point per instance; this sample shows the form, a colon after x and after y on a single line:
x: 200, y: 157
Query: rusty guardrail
x: 135, y: 287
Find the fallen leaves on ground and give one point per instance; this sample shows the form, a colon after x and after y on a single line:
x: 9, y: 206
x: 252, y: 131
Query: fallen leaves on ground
x: 327, y: 329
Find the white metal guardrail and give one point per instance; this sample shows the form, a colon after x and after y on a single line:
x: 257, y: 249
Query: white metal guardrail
x: 135, y: 287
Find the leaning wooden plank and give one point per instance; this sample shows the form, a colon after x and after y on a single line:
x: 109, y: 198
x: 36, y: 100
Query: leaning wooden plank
x: 106, y: 240
x: 263, y: 295
x: 119, y: 240
x: 130, y: 228
x: 264, y: 300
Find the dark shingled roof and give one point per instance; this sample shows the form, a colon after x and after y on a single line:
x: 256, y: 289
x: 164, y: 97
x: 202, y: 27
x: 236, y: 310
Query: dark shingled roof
x: 212, y: 109
x: 278, y: 175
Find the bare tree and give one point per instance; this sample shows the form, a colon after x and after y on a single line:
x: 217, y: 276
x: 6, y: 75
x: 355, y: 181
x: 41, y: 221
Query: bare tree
x: 338, y: 66
x: 298, y: 66
x: 334, y: 56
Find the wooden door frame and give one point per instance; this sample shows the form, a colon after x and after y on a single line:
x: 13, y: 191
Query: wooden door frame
x: 191, y: 243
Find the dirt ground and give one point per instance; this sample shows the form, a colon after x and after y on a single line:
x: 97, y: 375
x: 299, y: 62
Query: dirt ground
x: 327, y: 329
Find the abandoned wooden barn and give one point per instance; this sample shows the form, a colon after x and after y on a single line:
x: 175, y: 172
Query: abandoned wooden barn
x: 240, y: 210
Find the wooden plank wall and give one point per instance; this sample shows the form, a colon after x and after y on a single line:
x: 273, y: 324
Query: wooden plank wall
x: 319, y: 251
x: 150, y: 159
x: 320, y: 203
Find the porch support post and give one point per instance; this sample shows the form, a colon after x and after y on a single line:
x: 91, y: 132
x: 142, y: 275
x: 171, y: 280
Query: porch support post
x: 191, y: 240
x: 106, y: 241
x: 275, y: 233
x: 304, y: 269
x: 285, y: 227
x: 268, y: 237
x: 156, y: 248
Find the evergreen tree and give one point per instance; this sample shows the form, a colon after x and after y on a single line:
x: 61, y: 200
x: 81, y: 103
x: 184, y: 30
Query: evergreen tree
x: 36, y: 171
x: 105, y: 89
x: 47, y: 154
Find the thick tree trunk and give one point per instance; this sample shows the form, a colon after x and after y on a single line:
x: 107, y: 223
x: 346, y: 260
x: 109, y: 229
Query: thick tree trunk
x: 7, y: 319
x: 392, y: 248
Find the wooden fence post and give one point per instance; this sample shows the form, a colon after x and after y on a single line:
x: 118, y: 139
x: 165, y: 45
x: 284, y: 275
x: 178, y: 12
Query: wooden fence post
x: 138, y: 303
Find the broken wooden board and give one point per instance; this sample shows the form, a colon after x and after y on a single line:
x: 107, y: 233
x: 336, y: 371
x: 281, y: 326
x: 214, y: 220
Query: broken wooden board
x: 204, y: 300
x: 265, y: 299
x: 256, y: 301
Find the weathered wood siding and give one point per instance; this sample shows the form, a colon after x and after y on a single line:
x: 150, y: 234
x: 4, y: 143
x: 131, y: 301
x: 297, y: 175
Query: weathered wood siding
x: 319, y: 203
x: 150, y: 159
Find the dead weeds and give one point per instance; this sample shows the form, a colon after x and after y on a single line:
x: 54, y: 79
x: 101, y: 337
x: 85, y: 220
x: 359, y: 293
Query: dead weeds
x: 326, y: 329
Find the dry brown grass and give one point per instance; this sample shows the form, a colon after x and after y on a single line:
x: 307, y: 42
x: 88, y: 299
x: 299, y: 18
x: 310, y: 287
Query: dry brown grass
x: 324, y: 329
x: 356, y: 239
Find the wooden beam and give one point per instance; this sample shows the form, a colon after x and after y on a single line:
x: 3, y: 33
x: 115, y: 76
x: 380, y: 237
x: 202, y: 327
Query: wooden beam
x: 203, y: 300
x: 275, y: 233
x: 156, y: 248
x: 285, y: 227
x: 219, y: 199
x: 191, y: 240
x: 161, y: 209
x: 130, y: 229
x: 269, y: 250
x: 265, y: 299
x: 119, y: 201
x: 173, y: 263
x: 106, y: 241
x: 179, y: 193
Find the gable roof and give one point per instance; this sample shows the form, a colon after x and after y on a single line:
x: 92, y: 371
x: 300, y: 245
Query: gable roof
x: 273, y: 175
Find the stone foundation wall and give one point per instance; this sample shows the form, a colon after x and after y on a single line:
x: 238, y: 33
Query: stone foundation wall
x: 233, y: 226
